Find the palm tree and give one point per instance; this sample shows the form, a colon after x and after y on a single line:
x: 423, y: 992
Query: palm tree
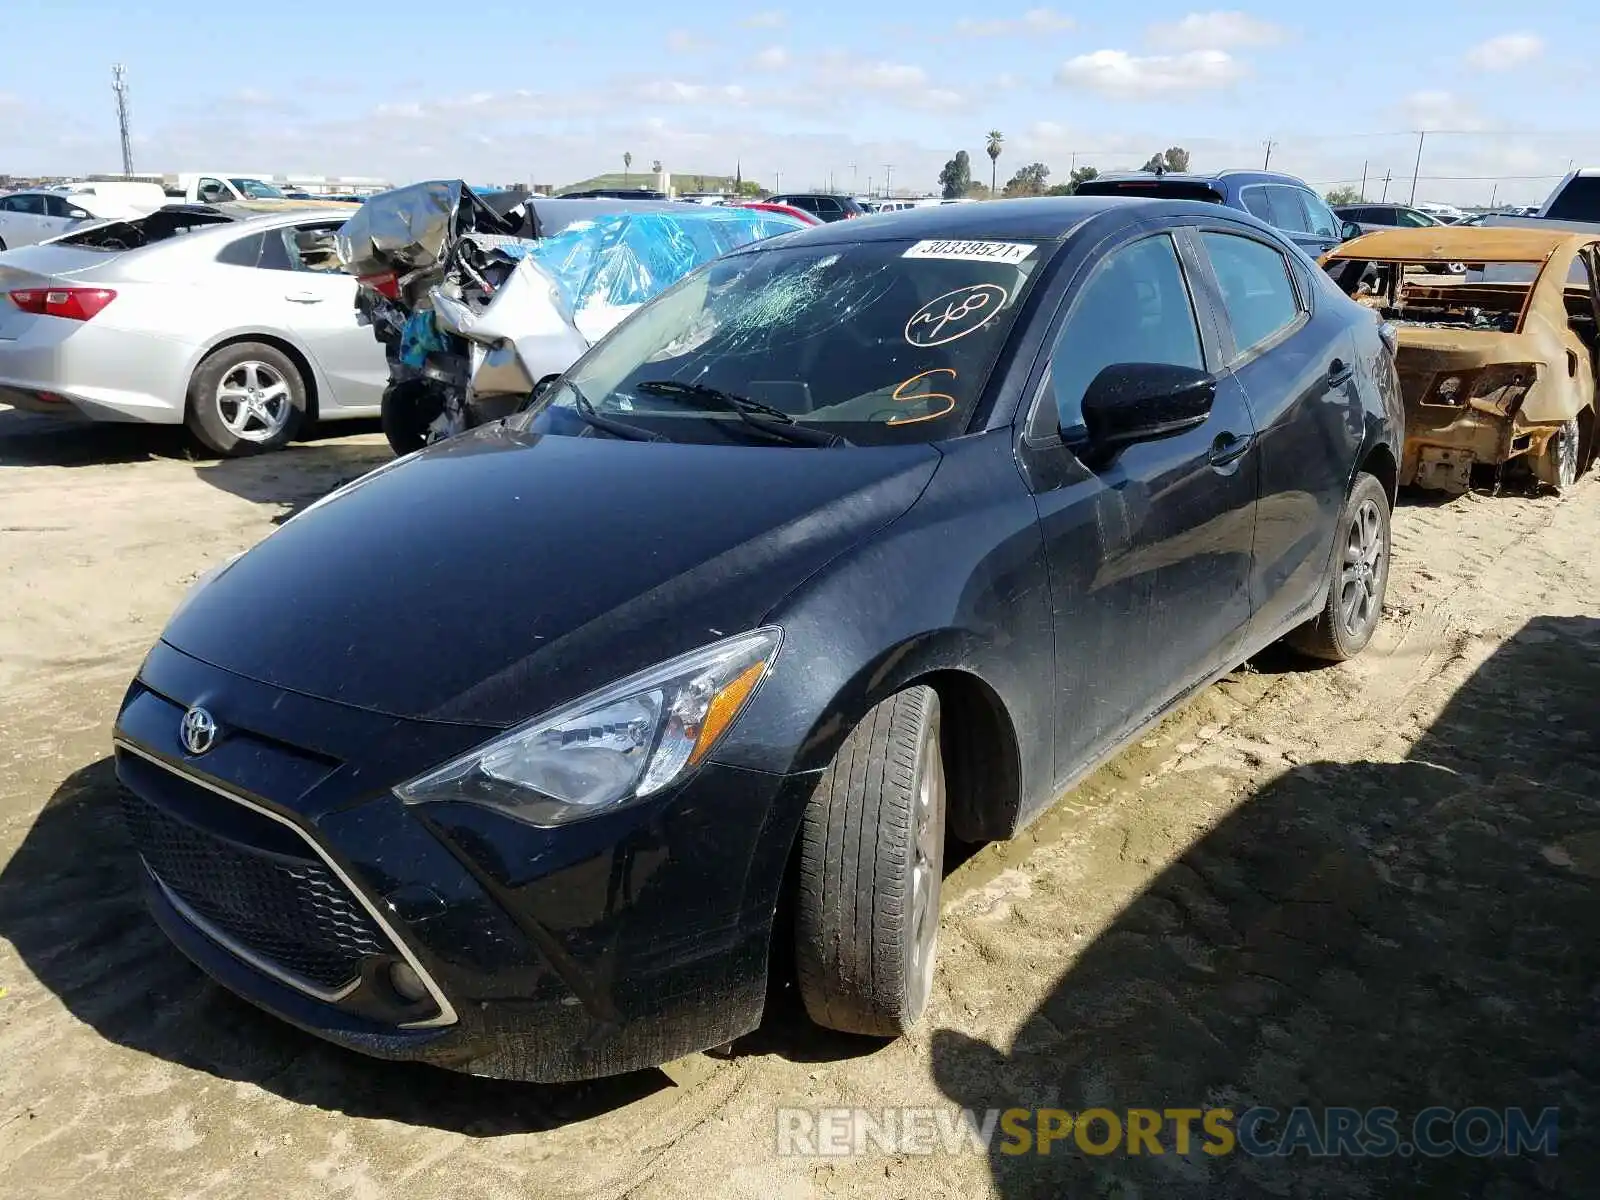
x: 627, y: 165
x: 992, y: 149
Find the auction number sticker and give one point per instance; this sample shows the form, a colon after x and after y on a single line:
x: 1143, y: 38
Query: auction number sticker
x: 957, y: 251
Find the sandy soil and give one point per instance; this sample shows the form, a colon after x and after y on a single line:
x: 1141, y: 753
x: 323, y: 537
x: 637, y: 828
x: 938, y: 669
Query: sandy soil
x: 1367, y: 885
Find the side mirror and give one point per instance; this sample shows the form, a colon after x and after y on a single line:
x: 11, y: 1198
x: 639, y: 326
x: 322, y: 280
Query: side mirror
x: 1140, y: 402
x: 1350, y: 230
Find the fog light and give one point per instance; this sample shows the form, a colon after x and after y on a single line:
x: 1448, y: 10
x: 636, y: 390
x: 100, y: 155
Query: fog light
x: 408, y: 985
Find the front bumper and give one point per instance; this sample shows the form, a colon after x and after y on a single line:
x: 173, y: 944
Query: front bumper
x: 295, y: 878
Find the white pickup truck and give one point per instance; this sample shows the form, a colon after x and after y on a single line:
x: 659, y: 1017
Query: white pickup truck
x: 249, y: 191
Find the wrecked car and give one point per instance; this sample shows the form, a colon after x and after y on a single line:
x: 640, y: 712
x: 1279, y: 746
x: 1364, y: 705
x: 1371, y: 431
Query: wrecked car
x: 884, y: 528
x: 477, y: 298
x: 1498, y: 363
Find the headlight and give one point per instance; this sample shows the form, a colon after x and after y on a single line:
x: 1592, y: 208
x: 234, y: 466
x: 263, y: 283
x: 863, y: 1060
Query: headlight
x: 612, y: 747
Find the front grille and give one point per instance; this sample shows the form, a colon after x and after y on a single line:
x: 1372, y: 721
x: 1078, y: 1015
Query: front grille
x: 294, y: 913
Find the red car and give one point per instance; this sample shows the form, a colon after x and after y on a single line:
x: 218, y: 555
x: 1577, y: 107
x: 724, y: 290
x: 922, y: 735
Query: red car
x: 787, y: 210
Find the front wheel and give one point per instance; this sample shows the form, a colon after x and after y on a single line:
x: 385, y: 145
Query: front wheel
x: 871, y: 864
x: 1359, y: 576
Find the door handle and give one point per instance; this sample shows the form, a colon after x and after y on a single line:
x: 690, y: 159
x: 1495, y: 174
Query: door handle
x: 1229, y: 448
x: 1339, y: 372
x: 304, y: 297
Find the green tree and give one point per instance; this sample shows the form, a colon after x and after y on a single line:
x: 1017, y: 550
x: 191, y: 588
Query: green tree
x: 991, y: 147
x: 1059, y: 189
x: 1344, y: 195
x: 1083, y: 175
x: 1029, y: 181
x: 956, y: 177
x: 978, y: 191
x: 627, y: 165
x: 1176, y: 158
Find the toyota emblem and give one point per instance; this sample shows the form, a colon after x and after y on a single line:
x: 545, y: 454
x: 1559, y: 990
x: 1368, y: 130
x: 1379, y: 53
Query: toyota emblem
x: 198, y: 731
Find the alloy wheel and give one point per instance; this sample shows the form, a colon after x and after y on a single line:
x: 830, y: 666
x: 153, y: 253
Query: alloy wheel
x: 1362, y: 573
x: 927, y: 869
x: 254, y: 401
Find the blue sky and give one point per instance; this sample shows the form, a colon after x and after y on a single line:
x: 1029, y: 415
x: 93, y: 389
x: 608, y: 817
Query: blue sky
x: 499, y: 91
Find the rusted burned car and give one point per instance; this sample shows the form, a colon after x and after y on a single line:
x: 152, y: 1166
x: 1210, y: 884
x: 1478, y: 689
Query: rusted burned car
x: 1497, y: 361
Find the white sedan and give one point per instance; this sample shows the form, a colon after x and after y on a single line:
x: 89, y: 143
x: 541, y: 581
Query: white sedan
x: 245, y: 330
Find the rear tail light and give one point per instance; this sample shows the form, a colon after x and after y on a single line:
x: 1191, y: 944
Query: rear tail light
x: 71, y: 303
x: 386, y: 283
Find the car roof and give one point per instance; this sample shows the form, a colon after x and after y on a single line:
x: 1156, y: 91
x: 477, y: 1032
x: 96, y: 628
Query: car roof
x: 1461, y: 243
x: 1045, y: 218
x: 1235, y: 175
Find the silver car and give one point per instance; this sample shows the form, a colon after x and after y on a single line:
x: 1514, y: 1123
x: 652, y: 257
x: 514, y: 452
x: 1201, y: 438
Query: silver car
x: 245, y: 330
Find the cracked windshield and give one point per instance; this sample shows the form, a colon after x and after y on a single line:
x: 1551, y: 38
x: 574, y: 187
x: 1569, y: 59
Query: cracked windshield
x: 868, y: 343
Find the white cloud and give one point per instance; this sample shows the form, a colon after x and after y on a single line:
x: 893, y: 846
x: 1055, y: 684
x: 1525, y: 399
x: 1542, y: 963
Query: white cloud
x: 674, y: 91
x: 1505, y: 52
x: 1440, y: 110
x: 1035, y: 20
x: 773, y: 58
x: 681, y: 41
x: 770, y: 19
x: 1216, y: 30
x: 1127, y: 76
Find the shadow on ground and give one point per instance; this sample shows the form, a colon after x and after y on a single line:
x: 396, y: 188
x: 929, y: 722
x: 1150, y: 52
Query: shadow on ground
x: 292, y: 478
x: 70, y: 903
x: 1364, y: 934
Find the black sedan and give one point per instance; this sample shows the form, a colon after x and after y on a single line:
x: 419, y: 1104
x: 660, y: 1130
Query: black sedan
x: 503, y: 757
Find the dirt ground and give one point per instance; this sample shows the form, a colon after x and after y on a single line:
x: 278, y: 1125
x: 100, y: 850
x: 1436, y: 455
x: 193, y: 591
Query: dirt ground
x: 1367, y: 885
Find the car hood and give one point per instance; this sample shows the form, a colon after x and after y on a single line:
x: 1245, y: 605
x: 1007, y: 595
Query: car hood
x: 498, y: 574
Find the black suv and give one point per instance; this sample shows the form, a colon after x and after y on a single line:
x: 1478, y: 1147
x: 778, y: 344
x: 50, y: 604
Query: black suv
x: 821, y: 205
x: 1282, y: 201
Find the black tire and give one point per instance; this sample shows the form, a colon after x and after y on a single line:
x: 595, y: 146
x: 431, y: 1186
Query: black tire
x: 275, y: 418
x: 871, y: 863
x: 1358, y: 576
x: 409, y: 407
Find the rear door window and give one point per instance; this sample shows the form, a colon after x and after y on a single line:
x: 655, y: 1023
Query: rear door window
x: 1258, y: 292
x: 1257, y: 203
x: 33, y: 205
x: 1413, y: 219
x: 1288, y: 212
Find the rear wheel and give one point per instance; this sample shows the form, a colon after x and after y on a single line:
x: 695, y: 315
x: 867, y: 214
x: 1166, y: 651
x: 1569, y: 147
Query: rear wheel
x: 409, y: 408
x: 1562, y: 460
x: 246, y: 398
x: 871, y: 865
x: 1360, y: 574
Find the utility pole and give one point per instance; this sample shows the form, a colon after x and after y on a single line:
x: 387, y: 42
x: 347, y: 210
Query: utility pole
x: 1074, y: 165
x: 1363, y: 181
x: 1270, y: 146
x: 119, y: 85
x: 852, y: 179
x: 777, y: 183
x: 1386, y: 178
x: 1494, y: 194
x: 1421, y: 136
x: 888, y: 174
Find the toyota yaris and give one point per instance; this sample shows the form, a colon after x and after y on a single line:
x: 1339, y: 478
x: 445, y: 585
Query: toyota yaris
x: 502, y: 757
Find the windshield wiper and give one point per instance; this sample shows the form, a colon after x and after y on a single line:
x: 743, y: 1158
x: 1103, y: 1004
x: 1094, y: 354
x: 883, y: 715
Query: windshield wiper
x: 769, y: 420
x: 621, y: 429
